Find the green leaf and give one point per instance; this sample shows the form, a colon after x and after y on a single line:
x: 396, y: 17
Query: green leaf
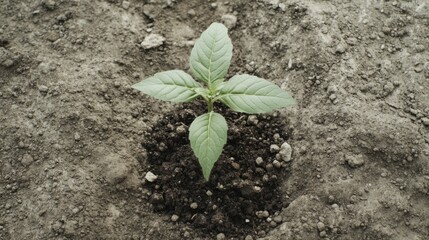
x: 211, y: 55
x: 208, y: 134
x: 174, y: 86
x: 250, y: 94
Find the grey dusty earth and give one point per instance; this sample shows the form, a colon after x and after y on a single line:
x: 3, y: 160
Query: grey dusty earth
x: 72, y: 165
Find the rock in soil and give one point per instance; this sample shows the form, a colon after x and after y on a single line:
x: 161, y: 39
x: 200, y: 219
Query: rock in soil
x: 150, y: 177
x: 152, y: 41
x: 355, y: 161
x: 27, y: 160
x: 229, y: 20
x: 285, y: 152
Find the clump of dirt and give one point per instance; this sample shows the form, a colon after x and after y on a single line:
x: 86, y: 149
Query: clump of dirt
x: 242, y: 195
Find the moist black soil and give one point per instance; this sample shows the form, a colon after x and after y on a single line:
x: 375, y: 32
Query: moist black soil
x: 238, y: 187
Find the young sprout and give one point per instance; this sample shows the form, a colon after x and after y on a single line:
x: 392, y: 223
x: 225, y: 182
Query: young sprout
x: 209, y: 61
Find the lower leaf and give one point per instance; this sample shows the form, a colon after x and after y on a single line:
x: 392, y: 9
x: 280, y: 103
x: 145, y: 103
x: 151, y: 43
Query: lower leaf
x: 208, y: 135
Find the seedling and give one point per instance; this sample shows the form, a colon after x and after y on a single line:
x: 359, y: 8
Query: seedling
x: 209, y: 61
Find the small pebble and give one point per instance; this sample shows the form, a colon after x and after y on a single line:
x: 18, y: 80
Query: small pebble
x: 125, y: 4
x: 152, y: 41
x: 332, y: 89
x: 262, y: 214
x: 262, y: 233
x: 274, y: 148
x: 180, y: 130
x: 320, y: 226
x: 53, y: 36
x: 252, y: 119
x: 420, y: 48
x: 174, y: 218
x: 43, y: 88
x: 276, y: 137
x: 425, y: 121
x: 355, y: 161
x: 77, y: 136
x: 156, y: 198
x: 341, y: 48
x: 150, y: 177
x: 194, y: 205
x: 257, y: 189
x: 235, y: 165
x: 229, y: 20
x: 191, y: 12
x: 278, y: 219
x: 27, y: 160
x: 286, y: 152
x: 220, y: 236
x: 48, y: 4
x: 259, y: 161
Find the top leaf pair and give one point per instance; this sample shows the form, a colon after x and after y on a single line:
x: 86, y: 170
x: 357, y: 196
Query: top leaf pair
x: 209, y: 61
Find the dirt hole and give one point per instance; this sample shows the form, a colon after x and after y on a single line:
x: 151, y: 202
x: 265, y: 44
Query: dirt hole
x: 242, y: 197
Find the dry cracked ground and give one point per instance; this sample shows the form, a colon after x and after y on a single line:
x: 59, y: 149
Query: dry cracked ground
x: 71, y: 161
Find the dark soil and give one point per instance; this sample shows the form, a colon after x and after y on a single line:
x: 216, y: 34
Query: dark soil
x: 238, y: 187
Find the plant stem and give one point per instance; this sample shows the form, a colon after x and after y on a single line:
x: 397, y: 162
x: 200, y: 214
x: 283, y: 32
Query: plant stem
x: 210, y: 104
